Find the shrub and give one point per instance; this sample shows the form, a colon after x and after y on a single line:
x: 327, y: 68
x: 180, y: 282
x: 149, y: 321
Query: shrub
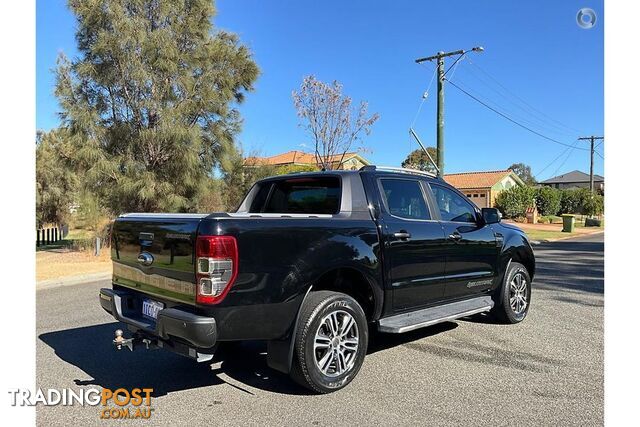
x: 593, y: 204
x: 548, y: 200
x: 571, y: 201
x: 515, y: 201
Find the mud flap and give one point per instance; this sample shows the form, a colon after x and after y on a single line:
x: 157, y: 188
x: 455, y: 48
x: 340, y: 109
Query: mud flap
x: 279, y: 354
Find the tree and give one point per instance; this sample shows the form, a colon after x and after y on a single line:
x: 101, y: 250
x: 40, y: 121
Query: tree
x: 593, y: 204
x: 513, y: 202
x: 524, y: 173
x: 150, y: 101
x: 571, y: 201
x: 213, y: 199
x: 548, y: 200
x: 238, y: 178
x: 56, y: 183
x: 285, y: 169
x: 418, y: 159
x: 335, y: 126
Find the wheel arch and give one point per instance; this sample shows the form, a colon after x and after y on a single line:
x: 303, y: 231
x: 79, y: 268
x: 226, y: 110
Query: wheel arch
x: 521, y: 256
x: 355, y: 283
x: 518, y: 249
x: 345, y: 279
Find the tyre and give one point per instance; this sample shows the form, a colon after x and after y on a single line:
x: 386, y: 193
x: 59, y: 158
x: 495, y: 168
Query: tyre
x: 513, y: 300
x: 330, y: 342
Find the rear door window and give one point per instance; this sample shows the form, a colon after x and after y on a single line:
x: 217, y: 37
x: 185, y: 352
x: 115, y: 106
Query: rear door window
x: 404, y: 198
x: 304, y: 195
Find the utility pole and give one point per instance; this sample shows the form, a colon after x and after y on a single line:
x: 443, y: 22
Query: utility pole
x: 439, y: 57
x: 592, y: 139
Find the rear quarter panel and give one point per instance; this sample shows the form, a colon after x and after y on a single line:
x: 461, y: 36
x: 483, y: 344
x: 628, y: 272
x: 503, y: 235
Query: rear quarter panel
x: 280, y: 259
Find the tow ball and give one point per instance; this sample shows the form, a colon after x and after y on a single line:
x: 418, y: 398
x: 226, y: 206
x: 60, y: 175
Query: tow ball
x: 120, y: 341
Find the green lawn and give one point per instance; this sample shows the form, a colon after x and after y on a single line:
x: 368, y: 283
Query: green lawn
x: 548, y: 235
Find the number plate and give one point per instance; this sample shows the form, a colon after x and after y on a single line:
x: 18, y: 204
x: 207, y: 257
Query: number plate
x: 151, y: 308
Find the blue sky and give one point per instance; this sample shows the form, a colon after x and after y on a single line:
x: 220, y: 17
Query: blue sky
x: 535, y: 50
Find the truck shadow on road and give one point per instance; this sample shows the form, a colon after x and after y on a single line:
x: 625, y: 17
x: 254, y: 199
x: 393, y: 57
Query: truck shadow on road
x: 90, y: 349
x: 238, y: 364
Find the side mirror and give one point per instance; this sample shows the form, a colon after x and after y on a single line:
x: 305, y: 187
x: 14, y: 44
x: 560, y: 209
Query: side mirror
x: 491, y: 215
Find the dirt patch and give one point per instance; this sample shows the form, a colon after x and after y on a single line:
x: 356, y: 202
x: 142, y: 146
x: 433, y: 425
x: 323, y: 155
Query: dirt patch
x: 63, y: 263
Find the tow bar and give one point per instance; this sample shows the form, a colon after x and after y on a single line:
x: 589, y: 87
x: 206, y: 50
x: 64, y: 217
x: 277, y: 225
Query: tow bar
x: 120, y: 341
x: 151, y: 344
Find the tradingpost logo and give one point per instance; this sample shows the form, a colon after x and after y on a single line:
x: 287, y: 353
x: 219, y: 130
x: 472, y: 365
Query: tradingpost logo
x: 120, y: 403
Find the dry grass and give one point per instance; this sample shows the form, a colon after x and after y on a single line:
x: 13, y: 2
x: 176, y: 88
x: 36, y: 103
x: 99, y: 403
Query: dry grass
x: 56, y: 264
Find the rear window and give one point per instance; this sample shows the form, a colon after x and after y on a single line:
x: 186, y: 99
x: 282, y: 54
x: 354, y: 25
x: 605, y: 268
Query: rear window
x: 305, y: 195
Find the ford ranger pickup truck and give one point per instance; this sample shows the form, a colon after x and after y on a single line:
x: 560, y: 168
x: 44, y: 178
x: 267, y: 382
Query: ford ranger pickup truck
x: 312, y: 263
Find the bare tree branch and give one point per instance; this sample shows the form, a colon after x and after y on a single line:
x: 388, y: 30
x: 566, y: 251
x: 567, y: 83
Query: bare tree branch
x: 327, y: 115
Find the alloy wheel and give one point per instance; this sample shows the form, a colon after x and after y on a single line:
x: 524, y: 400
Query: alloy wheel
x: 336, y: 343
x: 518, y: 293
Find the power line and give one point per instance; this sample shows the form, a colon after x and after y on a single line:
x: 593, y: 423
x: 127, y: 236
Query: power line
x: 592, y: 139
x: 519, y: 98
x: 509, y: 112
x: 553, y: 161
x: 455, y: 63
x: 510, y: 119
x: 424, y: 98
x: 565, y: 159
x: 531, y: 118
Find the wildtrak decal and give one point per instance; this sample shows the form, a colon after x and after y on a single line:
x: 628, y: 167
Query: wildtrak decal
x: 476, y: 283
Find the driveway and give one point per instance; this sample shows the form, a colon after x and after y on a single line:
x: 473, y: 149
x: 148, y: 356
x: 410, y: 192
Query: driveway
x: 547, y: 370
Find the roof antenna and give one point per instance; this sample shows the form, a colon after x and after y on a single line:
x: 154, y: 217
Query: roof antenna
x: 415, y: 136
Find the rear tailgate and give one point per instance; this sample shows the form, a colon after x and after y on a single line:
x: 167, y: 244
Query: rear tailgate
x: 154, y: 254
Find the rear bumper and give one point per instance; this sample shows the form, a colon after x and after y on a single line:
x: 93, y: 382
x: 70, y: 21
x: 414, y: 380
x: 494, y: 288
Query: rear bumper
x: 199, y: 331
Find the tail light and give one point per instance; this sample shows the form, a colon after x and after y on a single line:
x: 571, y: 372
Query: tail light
x: 216, y: 267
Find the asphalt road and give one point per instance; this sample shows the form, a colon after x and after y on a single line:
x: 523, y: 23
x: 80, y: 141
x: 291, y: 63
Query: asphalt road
x: 547, y: 370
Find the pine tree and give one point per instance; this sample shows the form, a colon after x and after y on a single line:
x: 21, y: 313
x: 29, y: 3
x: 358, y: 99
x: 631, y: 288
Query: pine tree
x: 151, y: 101
x: 56, y: 183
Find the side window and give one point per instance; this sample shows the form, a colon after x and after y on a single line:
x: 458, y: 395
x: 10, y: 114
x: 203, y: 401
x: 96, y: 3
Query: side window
x: 452, y: 206
x: 404, y: 198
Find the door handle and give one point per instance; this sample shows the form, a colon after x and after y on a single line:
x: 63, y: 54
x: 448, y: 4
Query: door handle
x: 402, y: 235
x: 455, y: 236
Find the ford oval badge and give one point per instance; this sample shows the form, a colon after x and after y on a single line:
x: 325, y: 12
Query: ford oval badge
x: 145, y: 258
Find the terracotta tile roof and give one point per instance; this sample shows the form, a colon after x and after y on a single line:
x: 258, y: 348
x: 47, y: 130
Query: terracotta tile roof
x: 292, y: 157
x: 476, y: 179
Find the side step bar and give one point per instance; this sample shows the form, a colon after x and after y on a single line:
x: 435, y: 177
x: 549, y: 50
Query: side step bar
x: 430, y: 316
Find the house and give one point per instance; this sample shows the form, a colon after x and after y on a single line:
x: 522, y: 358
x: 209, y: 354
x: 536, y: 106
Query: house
x: 483, y: 187
x: 575, y: 179
x: 350, y: 161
